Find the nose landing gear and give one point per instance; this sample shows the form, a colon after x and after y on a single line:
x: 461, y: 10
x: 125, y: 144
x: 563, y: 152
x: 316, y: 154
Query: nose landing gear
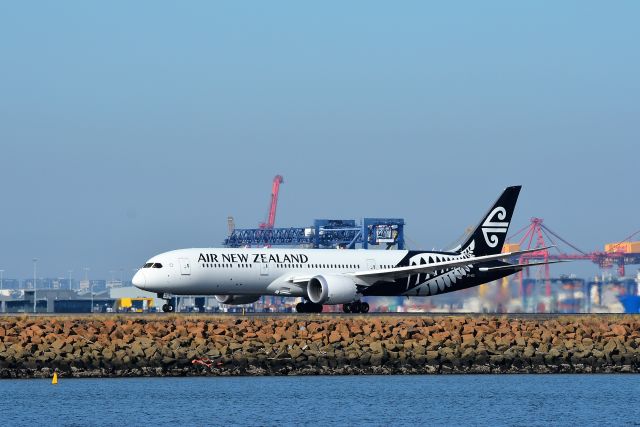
x: 356, y: 307
x: 168, y: 307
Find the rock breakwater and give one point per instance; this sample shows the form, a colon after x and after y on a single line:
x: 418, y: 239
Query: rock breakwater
x: 314, y: 345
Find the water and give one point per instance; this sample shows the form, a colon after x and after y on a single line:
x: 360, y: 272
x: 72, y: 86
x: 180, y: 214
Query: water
x: 520, y: 400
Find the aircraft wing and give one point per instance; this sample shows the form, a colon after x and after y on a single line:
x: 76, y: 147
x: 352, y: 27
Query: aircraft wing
x: 400, y: 272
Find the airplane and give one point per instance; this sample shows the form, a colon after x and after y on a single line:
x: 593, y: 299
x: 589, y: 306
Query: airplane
x: 336, y: 276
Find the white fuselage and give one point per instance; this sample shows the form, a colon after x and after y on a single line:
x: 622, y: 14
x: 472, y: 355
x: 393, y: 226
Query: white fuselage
x: 253, y: 271
x: 336, y: 276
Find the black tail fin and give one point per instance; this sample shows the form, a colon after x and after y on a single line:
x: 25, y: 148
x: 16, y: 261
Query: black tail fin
x: 488, y: 237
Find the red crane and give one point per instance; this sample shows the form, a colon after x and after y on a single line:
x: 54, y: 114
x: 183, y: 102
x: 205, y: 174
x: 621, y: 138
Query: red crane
x: 275, y: 189
x: 534, y: 237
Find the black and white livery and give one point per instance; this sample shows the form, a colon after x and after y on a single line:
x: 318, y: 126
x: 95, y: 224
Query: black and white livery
x: 335, y: 276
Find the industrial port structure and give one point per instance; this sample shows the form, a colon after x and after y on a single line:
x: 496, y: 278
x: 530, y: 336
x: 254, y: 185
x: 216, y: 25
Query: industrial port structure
x: 325, y: 233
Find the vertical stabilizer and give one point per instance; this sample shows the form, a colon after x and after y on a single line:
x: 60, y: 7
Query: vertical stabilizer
x: 489, y: 236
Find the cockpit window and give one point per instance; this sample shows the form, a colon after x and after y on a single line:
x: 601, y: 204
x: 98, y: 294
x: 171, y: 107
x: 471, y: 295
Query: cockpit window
x: 147, y: 265
x: 157, y: 265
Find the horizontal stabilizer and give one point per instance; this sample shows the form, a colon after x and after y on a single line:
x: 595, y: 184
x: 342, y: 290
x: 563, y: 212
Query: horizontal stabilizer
x: 521, y: 266
x: 399, y: 272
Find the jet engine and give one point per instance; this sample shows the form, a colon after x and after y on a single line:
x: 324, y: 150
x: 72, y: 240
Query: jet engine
x: 331, y: 290
x: 237, y: 299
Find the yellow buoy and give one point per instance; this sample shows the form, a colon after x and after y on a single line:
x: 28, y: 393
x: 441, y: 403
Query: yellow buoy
x: 55, y: 378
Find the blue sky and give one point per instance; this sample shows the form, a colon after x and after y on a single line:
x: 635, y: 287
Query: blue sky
x: 131, y: 128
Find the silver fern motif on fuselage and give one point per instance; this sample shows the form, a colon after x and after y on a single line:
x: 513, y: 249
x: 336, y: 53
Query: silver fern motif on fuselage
x: 436, y: 282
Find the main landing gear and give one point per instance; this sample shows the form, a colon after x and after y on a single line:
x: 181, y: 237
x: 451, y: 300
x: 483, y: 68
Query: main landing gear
x: 356, y: 307
x: 168, y: 306
x: 308, y: 307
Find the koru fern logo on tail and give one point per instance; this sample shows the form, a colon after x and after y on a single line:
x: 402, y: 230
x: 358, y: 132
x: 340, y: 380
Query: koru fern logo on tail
x: 493, y: 225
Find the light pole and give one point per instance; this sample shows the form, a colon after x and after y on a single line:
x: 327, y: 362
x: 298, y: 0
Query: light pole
x: 70, y: 271
x: 86, y: 279
x: 1, y: 303
x: 35, y: 264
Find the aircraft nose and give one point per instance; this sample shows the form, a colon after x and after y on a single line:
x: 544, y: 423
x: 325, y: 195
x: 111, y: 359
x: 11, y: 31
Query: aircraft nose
x: 139, y: 281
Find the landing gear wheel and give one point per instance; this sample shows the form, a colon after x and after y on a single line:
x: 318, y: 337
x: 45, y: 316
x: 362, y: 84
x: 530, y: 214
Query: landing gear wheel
x: 356, y: 307
x: 167, y: 307
x: 308, y: 307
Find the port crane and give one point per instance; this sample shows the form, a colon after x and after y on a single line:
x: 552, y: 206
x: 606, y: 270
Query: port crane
x: 275, y: 190
x: 539, y: 235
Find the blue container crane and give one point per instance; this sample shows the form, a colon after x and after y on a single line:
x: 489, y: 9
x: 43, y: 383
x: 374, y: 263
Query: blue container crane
x: 325, y: 233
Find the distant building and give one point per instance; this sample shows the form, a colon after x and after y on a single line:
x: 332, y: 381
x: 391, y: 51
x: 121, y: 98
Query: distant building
x: 47, y: 283
x: 95, y: 285
x: 10, y: 284
x: 115, y: 284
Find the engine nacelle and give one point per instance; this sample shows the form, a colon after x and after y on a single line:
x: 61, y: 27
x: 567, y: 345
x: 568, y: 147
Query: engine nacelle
x: 331, y: 290
x: 237, y: 299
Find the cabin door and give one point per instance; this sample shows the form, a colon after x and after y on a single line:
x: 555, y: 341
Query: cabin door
x: 185, y: 266
x: 264, y: 269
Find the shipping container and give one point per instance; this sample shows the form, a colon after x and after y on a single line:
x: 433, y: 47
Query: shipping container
x: 510, y: 247
x: 623, y: 247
